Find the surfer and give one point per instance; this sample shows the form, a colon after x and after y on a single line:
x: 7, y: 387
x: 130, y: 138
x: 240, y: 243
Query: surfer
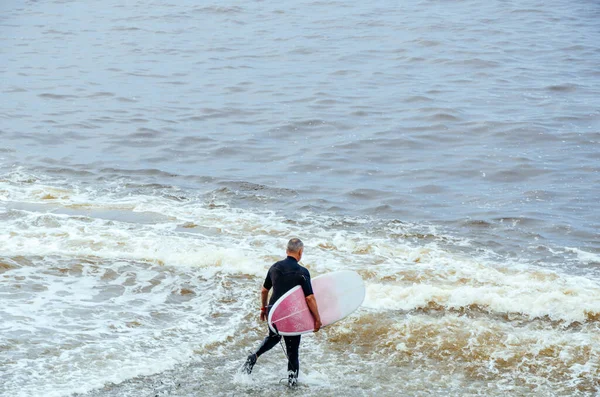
x: 283, y: 276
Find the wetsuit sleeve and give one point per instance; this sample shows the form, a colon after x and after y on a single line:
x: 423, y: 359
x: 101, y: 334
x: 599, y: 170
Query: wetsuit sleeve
x: 268, y: 282
x: 306, y: 284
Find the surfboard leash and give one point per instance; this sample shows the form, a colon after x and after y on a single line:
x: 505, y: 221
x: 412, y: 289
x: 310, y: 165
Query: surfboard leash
x: 280, y: 341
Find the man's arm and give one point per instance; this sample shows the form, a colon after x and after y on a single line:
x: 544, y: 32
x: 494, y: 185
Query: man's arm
x: 312, y: 305
x: 264, y: 295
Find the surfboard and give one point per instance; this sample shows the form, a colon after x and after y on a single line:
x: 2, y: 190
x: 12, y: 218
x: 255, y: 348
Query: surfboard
x: 338, y: 294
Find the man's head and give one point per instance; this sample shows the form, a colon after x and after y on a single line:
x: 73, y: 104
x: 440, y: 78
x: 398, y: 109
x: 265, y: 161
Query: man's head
x: 295, y: 248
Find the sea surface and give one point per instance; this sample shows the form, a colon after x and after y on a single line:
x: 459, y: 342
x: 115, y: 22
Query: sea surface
x: 156, y: 156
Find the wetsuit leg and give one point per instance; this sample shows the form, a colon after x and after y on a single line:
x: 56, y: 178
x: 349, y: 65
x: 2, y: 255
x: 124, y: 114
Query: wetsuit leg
x: 269, y: 343
x: 292, y: 345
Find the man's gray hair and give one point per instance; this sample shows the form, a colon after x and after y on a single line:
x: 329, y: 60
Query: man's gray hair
x: 295, y: 245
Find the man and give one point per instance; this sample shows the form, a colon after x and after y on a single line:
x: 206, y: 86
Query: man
x: 283, y: 276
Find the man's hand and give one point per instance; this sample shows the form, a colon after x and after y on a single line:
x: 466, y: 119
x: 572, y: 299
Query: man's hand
x: 263, y: 315
x: 318, y: 325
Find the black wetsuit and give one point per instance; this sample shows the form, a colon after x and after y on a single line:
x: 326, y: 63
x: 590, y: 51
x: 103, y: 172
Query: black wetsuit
x: 283, y: 276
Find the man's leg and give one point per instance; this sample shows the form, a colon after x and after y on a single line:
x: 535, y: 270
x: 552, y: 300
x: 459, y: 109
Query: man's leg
x: 268, y: 343
x: 292, y: 345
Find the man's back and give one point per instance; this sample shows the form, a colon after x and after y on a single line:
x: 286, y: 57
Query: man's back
x: 285, y: 275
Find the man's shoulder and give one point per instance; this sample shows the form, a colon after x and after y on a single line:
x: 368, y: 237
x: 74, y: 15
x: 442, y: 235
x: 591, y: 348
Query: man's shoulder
x: 278, y: 266
x: 304, y: 270
x: 286, y: 265
x: 278, y: 263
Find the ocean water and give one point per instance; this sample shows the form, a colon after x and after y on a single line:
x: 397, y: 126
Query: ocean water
x: 155, y: 157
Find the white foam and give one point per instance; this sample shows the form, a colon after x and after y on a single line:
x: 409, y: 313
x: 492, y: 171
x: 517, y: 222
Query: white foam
x: 459, y: 282
x: 90, y: 337
x: 243, y: 238
x: 63, y: 224
x: 570, y: 301
x: 584, y: 256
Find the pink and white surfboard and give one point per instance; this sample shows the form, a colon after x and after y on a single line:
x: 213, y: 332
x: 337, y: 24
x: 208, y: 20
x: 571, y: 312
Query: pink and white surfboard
x: 338, y: 294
